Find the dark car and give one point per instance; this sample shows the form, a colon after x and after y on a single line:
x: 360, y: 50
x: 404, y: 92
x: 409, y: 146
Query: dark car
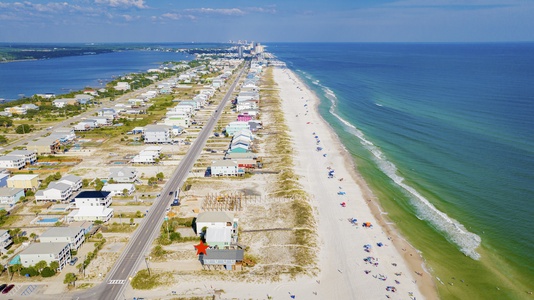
x: 2, y: 287
x: 73, y: 261
x: 8, y: 289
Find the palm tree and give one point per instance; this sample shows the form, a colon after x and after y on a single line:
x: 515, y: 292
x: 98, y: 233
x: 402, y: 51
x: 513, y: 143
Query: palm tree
x: 70, y: 278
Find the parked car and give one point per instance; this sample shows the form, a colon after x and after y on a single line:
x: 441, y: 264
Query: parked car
x: 8, y: 289
x: 73, y: 261
x: 2, y: 287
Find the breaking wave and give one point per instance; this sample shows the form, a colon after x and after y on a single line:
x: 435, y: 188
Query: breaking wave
x: 453, y: 230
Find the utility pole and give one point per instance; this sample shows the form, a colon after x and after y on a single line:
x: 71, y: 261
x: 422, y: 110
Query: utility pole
x: 83, y: 265
x: 146, y: 261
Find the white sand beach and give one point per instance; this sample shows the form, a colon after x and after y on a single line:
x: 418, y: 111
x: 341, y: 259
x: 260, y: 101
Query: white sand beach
x: 343, y: 272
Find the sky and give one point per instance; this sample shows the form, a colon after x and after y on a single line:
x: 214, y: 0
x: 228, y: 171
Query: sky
x: 266, y: 20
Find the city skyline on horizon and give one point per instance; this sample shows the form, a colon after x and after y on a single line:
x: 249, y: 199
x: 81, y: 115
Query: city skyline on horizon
x: 120, y: 21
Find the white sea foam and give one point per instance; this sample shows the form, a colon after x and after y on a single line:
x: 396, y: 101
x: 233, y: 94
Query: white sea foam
x: 455, y: 232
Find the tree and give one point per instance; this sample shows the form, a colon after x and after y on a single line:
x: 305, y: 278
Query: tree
x: 6, y: 122
x: 70, y: 278
x: 54, y: 265
x: 160, y: 176
x: 33, y: 236
x: 3, y: 139
x: 152, y: 180
x: 99, y: 184
x: 41, y: 265
x: 48, y: 272
x: 23, y: 129
x: 125, y: 192
x: 31, y: 271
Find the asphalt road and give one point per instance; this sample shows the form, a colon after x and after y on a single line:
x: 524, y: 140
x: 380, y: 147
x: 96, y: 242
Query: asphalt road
x: 137, y: 249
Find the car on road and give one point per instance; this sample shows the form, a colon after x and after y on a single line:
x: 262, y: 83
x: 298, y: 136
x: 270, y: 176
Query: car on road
x: 2, y: 287
x: 73, y: 261
x: 8, y: 289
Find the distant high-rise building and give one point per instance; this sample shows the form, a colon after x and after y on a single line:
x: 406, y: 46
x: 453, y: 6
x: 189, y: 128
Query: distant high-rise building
x: 240, y: 51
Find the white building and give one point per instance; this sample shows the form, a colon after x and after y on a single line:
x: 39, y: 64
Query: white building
x: 215, y: 219
x: 224, y: 168
x: 10, y: 196
x: 123, y: 175
x: 88, y: 213
x: 122, y: 86
x: 56, y: 191
x: 74, y: 181
x: 75, y: 236
x: 147, y: 156
x: 157, y: 134
x: 93, y: 199
x: 29, y: 156
x: 12, y: 162
x: 48, y: 252
x: 119, y: 188
x: 5, y: 240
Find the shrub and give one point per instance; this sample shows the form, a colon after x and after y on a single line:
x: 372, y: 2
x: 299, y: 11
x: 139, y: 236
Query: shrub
x: 29, y: 271
x: 47, y: 272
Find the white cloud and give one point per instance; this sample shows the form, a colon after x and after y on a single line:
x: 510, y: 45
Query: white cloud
x: 174, y: 16
x: 217, y: 11
x: 123, y: 3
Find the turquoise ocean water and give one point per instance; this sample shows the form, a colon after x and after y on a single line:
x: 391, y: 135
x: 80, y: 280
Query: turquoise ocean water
x: 444, y: 135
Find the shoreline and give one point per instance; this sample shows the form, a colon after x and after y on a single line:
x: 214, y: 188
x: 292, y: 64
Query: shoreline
x: 410, y: 256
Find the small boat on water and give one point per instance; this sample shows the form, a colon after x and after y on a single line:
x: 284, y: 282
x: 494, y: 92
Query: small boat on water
x: 378, y: 104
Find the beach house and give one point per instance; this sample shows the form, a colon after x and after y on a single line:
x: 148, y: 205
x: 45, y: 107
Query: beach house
x: 215, y: 219
x: 86, y: 125
x: 10, y: 196
x: 24, y: 181
x: 56, y: 191
x: 29, y: 156
x: 83, y: 98
x: 236, y: 126
x: 5, y: 240
x: 30, y: 106
x: 45, y: 145
x: 12, y: 162
x: 74, y: 236
x: 3, y: 179
x: 225, y: 168
x: 123, y: 175
x: 93, y: 199
x: 219, y: 237
x: 91, y: 213
x: 74, y: 181
x: 122, y: 86
x: 227, y: 259
x: 157, y: 134
x: 148, y: 155
x: 119, y: 189
x: 48, y: 252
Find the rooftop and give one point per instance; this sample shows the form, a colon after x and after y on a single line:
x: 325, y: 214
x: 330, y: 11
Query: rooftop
x: 93, y: 194
x: 62, y: 232
x: 213, y: 216
x: 45, y: 248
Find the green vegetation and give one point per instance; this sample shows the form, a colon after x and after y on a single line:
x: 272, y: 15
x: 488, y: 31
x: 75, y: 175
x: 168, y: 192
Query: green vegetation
x: 23, y: 129
x: 168, y: 234
x: 287, y: 182
x: 144, y: 280
x: 70, y: 279
x: 119, y: 228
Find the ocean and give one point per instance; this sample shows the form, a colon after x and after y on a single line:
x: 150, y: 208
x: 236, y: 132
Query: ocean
x: 444, y: 136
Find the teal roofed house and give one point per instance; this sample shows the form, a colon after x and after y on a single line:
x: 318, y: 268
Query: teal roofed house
x: 236, y: 126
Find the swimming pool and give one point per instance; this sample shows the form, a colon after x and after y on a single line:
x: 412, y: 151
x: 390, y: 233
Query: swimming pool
x: 48, y: 220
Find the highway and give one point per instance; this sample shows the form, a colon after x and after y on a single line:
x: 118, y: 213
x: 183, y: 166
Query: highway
x: 113, y: 286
